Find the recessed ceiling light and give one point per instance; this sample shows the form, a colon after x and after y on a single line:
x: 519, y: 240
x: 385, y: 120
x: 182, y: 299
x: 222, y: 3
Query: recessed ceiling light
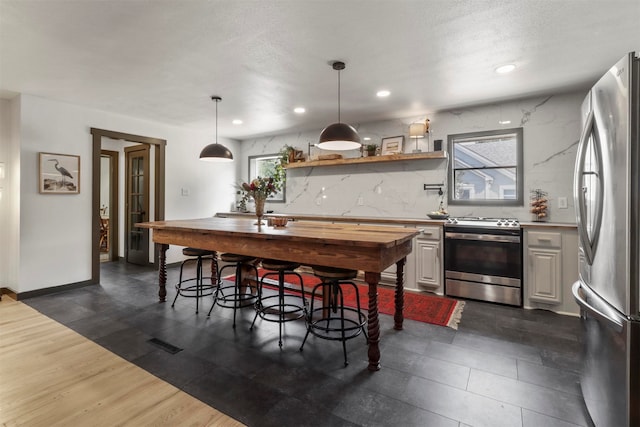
x: 237, y: 122
x: 366, y: 138
x: 299, y: 110
x: 505, y: 69
x: 504, y: 122
x: 383, y: 93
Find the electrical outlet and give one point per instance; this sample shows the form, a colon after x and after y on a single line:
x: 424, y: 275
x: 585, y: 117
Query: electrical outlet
x: 360, y: 201
x: 562, y: 203
x: 185, y: 192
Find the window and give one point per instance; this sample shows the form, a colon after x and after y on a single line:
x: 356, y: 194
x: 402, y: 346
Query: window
x: 486, y: 168
x: 268, y: 166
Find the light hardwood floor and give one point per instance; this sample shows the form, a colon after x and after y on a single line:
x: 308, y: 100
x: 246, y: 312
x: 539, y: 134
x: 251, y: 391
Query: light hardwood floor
x: 50, y: 375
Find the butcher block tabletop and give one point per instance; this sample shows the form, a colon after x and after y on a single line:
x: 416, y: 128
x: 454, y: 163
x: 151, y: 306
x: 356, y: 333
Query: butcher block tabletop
x: 343, y: 233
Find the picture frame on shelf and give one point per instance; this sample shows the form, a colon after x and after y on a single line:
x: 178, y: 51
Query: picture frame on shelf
x: 392, y: 145
x: 58, y: 173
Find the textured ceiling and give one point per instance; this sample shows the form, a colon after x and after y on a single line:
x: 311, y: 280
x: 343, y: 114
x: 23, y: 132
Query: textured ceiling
x: 162, y: 60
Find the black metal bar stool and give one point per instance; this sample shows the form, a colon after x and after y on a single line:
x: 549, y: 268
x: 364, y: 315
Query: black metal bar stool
x: 333, y: 321
x: 234, y: 296
x: 279, y: 307
x: 199, y: 289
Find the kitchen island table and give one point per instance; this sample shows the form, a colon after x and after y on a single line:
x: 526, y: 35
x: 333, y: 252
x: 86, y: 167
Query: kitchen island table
x: 370, y: 248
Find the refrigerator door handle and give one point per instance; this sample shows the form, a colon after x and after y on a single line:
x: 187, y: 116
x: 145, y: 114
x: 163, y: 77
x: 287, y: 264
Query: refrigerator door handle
x: 589, y: 242
x: 609, y: 319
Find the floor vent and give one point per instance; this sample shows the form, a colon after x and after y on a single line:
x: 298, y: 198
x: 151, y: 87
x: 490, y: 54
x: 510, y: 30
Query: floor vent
x: 169, y: 348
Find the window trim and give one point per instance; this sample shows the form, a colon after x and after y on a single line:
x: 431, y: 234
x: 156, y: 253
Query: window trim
x: 280, y: 196
x: 519, y: 200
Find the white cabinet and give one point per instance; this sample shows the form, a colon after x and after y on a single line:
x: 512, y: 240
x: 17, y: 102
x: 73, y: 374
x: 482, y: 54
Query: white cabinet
x: 428, y: 260
x: 424, y: 266
x: 544, y: 266
x: 550, y: 268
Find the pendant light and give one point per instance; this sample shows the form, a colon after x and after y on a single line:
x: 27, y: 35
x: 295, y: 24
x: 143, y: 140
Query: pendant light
x: 339, y: 136
x: 216, y: 152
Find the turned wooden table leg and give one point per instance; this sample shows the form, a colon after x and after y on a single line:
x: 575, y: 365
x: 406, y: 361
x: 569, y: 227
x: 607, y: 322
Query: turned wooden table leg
x: 373, y: 325
x: 398, y: 317
x: 248, y: 280
x: 162, y: 271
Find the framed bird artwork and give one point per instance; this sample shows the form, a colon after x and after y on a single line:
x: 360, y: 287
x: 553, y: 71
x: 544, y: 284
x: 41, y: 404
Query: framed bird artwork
x: 59, y: 173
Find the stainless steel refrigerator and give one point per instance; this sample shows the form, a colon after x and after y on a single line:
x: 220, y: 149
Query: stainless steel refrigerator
x: 606, y: 192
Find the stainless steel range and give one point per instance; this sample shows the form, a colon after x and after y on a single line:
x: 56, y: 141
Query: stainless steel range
x: 483, y: 259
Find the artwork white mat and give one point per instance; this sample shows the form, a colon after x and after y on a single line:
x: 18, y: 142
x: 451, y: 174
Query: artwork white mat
x: 58, y: 173
x: 392, y: 145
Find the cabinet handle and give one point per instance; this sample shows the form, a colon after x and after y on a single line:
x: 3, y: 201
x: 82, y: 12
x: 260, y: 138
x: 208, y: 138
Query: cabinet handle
x: 544, y: 239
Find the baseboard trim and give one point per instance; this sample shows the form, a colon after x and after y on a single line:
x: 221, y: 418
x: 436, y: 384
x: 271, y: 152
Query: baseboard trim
x: 47, y: 291
x: 9, y: 293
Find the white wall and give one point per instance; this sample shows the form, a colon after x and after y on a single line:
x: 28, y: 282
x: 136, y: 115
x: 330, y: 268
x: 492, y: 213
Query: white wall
x: 105, y: 164
x: 551, y: 133
x: 55, y: 230
x: 5, y: 135
x: 9, y: 205
x: 10, y: 184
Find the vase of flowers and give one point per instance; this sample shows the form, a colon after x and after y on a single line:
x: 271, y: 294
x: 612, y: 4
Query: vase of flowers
x: 259, y: 189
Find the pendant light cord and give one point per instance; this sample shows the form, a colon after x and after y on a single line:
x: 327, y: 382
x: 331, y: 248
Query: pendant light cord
x: 216, y: 99
x: 338, y: 66
x: 339, y: 97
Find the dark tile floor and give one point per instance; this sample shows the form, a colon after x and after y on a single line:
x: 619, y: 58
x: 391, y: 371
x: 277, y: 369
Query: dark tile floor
x: 503, y: 367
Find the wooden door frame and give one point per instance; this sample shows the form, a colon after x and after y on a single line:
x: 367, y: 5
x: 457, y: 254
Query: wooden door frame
x: 159, y: 161
x: 114, y: 211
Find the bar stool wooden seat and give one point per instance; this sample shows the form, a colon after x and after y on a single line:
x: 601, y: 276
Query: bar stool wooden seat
x: 280, y: 307
x: 235, y: 296
x: 200, y: 288
x: 334, y: 321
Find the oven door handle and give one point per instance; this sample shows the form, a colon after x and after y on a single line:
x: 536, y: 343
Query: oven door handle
x: 483, y: 237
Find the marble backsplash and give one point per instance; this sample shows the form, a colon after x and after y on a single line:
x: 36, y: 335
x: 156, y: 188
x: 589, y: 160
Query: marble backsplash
x: 551, y: 128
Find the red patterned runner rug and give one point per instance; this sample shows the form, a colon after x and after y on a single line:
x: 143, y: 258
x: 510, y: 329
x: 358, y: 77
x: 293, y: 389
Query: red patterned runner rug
x: 421, y: 307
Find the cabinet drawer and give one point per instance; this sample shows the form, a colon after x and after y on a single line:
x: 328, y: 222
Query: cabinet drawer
x: 432, y: 233
x: 544, y: 239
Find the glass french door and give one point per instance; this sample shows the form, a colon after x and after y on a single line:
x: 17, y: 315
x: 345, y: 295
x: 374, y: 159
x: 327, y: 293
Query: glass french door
x: 137, y: 204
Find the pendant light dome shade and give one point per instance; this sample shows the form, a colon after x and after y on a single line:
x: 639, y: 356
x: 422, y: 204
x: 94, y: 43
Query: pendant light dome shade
x: 216, y: 152
x: 339, y: 136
